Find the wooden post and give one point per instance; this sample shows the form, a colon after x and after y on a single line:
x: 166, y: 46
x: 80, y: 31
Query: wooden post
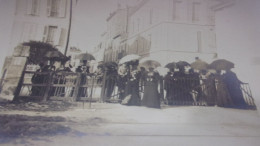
x: 77, y: 86
x: 20, y: 83
x: 48, y: 87
x: 161, y: 88
x: 2, y: 80
x: 91, y: 92
x: 102, y: 98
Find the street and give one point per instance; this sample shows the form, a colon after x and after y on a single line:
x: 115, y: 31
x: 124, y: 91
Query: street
x: 115, y: 124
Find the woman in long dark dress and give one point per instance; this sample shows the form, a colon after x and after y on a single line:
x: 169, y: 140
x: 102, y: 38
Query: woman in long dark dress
x: 170, y: 86
x: 151, y: 96
x: 194, y: 85
x: 210, y: 91
x: 37, y: 78
x: 233, y: 86
x: 122, y: 80
x: 83, y: 81
x: 111, y: 78
x: 183, y: 95
x: 132, y: 86
x: 223, y: 96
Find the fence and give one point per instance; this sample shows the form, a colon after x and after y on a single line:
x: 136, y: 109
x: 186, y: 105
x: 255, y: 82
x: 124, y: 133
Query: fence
x: 38, y: 86
x: 185, y: 91
x: 33, y: 86
x: 87, y: 87
x: 247, y: 94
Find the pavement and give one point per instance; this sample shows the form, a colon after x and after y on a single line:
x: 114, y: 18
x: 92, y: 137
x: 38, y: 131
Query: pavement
x: 107, y: 124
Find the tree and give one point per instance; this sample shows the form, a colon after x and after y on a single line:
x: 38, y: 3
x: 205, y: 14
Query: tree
x: 38, y: 50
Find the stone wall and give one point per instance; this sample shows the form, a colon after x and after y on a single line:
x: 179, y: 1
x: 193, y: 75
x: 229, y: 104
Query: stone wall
x: 14, y: 67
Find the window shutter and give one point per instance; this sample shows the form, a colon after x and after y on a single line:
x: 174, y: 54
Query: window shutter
x: 26, y: 32
x: 199, y: 39
x: 48, y: 7
x: 30, y: 32
x: 52, y: 35
x: 29, y: 7
x: 44, y: 39
x: 56, y: 36
x: 62, y: 37
x: 195, y: 11
x: 62, y: 8
x: 35, y: 7
x: 38, y: 7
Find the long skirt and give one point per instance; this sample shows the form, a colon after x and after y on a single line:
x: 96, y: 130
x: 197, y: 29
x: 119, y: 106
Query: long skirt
x: 151, y: 96
x: 223, y: 96
x: 132, y: 89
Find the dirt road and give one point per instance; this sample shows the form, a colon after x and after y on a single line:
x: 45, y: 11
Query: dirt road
x: 114, y: 124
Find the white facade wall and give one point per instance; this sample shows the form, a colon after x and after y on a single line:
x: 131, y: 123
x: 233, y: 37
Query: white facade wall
x: 116, y: 32
x: 116, y: 24
x: 182, y: 29
x: 36, y: 20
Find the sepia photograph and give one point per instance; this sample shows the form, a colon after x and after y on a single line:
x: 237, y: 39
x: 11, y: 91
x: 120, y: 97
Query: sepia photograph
x: 129, y: 72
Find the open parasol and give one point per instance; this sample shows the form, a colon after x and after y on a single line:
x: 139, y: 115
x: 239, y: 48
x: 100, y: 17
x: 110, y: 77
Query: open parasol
x: 199, y: 65
x: 149, y: 62
x: 129, y: 58
x: 56, y: 56
x: 162, y: 70
x: 221, y: 64
x: 182, y: 64
x: 171, y: 65
x: 110, y: 64
x: 85, y: 56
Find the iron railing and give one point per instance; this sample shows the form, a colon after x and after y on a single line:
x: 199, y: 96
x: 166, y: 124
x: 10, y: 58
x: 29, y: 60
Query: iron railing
x: 87, y: 87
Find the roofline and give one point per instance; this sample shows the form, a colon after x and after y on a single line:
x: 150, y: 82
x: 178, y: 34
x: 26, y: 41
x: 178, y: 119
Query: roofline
x: 138, y: 6
x: 222, y: 4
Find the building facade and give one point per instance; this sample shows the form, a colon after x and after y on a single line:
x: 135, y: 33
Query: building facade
x: 169, y: 30
x: 35, y: 20
x: 116, y: 33
x: 73, y: 52
x: 42, y: 20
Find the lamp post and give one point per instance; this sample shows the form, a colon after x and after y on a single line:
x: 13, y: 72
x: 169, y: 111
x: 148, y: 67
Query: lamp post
x: 69, y: 29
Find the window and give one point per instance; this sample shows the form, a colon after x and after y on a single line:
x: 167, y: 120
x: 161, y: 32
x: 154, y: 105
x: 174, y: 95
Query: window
x: 138, y: 24
x: 176, y: 9
x: 150, y: 41
x: 133, y: 28
x: 199, y: 38
x: 136, y: 47
x: 195, y: 11
x: 49, y: 34
x: 33, y: 7
x: 63, y: 37
x: 29, y: 32
x: 56, y: 8
x: 151, y: 16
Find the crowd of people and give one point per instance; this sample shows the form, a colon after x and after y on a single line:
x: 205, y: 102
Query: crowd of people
x: 146, y: 86
x: 42, y: 75
x: 182, y: 85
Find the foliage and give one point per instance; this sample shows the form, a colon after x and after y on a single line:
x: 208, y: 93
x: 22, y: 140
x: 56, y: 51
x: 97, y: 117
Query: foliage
x: 38, y: 50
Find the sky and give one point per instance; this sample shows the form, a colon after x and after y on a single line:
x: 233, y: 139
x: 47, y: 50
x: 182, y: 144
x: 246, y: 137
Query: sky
x: 237, y: 30
x: 238, y: 35
x: 6, y: 9
x: 89, y: 21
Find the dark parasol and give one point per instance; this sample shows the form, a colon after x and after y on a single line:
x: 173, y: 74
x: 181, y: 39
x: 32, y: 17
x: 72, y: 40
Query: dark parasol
x: 199, y: 64
x: 171, y: 65
x: 85, y: 56
x: 221, y: 64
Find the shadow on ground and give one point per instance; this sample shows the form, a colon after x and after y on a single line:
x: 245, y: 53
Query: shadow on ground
x: 20, y: 126
x: 37, y: 106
